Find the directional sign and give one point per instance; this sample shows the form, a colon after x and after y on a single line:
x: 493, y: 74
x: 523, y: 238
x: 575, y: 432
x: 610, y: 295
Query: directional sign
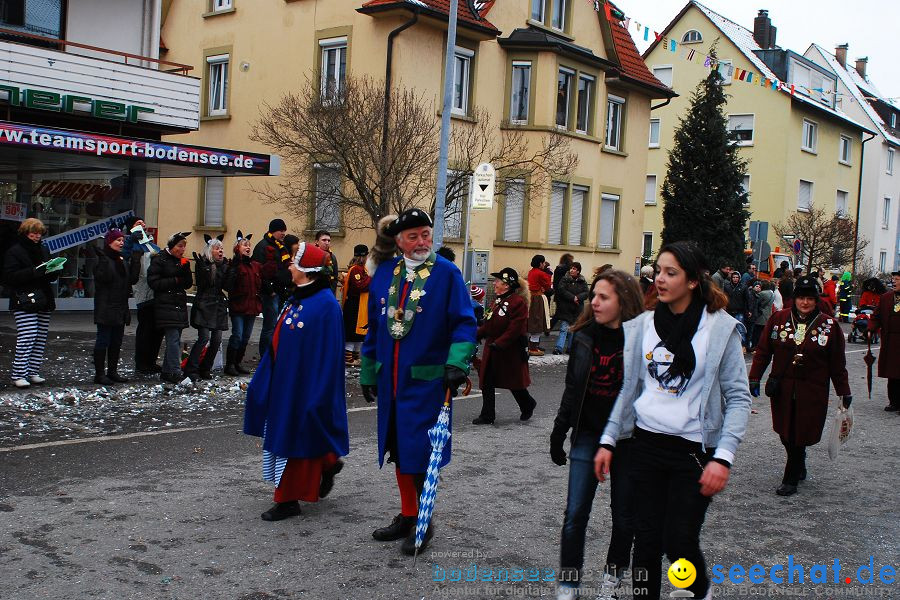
x: 483, y: 186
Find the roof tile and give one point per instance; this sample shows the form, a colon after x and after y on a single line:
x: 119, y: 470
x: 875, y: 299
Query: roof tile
x: 464, y: 12
x: 632, y: 64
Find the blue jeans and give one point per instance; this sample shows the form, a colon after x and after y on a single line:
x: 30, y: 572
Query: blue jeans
x: 742, y: 327
x: 172, y: 359
x: 563, y: 333
x: 241, y: 330
x: 270, y: 306
x: 582, y: 489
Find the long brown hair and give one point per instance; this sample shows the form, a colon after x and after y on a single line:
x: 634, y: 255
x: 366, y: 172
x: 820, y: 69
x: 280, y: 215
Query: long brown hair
x: 689, y: 257
x: 631, y: 303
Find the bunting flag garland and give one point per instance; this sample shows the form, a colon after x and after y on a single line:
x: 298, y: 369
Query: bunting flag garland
x: 616, y: 16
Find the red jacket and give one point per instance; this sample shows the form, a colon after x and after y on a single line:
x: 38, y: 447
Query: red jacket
x: 243, y: 287
x: 830, y: 290
x: 539, y: 281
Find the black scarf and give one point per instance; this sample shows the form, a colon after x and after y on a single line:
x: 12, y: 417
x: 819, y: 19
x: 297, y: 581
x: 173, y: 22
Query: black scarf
x: 676, y: 332
x: 35, y: 250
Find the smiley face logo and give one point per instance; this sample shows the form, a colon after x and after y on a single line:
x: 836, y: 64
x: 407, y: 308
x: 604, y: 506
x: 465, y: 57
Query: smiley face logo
x: 682, y: 573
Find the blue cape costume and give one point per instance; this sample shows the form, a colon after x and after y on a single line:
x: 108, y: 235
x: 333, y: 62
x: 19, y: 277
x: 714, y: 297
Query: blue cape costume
x: 296, y: 401
x: 442, y: 333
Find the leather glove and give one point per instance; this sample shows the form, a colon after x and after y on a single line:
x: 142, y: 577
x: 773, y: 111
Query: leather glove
x: 847, y: 401
x: 754, y: 389
x: 370, y: 393
x: 453, y: 378
x: 494, y: 346
x: 557, y: 453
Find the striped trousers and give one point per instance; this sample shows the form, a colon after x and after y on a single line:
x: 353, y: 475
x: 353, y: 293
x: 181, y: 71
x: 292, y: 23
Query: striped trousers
x: 31, y: 339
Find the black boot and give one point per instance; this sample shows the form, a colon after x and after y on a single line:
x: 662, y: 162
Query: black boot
x: 282, y: 510
x: 229, y: 361
x: 112, y: 366
x: 238, y: 358
x: 398, y: 529
x: 100, y: 368
x: 205, y: 368
x: 328, y: 478
x: 409, y: 544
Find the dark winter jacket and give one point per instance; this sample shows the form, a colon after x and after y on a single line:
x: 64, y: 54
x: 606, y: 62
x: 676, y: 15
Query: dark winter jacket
x: 243, y: 283
x: 738, y: 299
x: 566, y: 292
x: 113, y: 278
x: 20, y: 272
x: 169, y: 277
x: 273, y: 258
x: 560, y: 271
x: 210, y: 308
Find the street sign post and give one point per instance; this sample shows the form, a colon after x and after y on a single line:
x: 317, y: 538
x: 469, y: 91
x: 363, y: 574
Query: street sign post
x: 483, y: 189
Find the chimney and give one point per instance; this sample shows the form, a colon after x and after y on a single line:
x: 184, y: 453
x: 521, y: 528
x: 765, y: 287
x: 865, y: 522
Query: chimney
x: 840, y: 53
x: 762, y: 27
x: 772, y: 31
x: 861, y: 66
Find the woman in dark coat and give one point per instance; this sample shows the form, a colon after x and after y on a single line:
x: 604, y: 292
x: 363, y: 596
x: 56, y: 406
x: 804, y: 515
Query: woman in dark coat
x: 24, y: 273
x: 169, y: 276
x: 113, y: 278
x: 244, y: 304
x: 504, y: 362
x: 806, y: 348
x: 887, y: 321
x: 571, y: 292
x: 209, y: 313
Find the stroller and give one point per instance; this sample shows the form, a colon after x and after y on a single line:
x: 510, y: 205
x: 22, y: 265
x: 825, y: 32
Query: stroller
x: 872, y: 291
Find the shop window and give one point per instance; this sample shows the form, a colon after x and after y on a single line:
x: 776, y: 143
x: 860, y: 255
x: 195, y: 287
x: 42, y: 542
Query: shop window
x: 213, y: 201
x: 609, y: 206
x: 328, y: 198
x: 514, y: 211
x: 334, y: 69
x: 218, y: 84
x: 520, y: 93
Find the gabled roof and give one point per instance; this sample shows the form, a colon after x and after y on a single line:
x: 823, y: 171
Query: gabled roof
x: 743, y: 40
x: 633, y: 67
x: 467, y: 17
x: 847, y: 78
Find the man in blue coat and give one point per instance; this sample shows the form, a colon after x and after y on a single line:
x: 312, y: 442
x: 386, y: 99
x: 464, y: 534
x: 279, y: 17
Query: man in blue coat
x: 419, y: 344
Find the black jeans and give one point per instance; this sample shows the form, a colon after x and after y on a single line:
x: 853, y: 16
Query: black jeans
x: 580, y: 499
x: 894, y: 392
x: 147, y: 338
x: 669, y: 509
x: 795, y: 468
x: 489, y: 397
x: 109, y: 337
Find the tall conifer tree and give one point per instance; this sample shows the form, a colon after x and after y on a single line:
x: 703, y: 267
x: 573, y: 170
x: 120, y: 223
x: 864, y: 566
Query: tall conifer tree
x: 703, y: 196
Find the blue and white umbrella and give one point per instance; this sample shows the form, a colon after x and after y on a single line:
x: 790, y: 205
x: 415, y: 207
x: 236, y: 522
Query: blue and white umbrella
x: 439, y: 434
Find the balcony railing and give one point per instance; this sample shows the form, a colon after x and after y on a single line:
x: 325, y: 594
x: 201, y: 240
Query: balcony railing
x: 13, y: 35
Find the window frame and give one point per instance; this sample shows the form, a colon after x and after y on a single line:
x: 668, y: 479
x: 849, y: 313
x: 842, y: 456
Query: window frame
x: 671, y: 78
x: 563, y: 218
x: 845, y: 212
x: 746, y: 188
x: 221, y: 5
x: 467, y: 57
x: 520, y: 64
x: 685, y: 40
x: 316, y: 224
x: 217, y: 61
x: 813, y: 127
x: 655, y: 177
x: 726, y: 63
x: 326, y: 46
x: 588, y: 106
x: 204, y: 197
x: 585, y: 212
x: 502, y: 222
x: 620, y: 102
x: 617, y: 198
x: 752, y: 128
x: 886, y: 213
x: 849, y: 144
x: 571, y: 75
x: 801, y: 208
x: 644, y: 245
x: 893, y: 120
x: 650, y: 143
x: 562, y: 14
x: 890, y: 161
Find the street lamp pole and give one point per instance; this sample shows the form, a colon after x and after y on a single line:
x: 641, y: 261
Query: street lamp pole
x: 440, y: 201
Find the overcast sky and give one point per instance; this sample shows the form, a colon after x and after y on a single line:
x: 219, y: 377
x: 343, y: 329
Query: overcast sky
x: 869, y: 26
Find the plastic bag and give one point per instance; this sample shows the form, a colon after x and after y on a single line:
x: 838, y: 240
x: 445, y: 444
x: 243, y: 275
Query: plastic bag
x: 841, y: 427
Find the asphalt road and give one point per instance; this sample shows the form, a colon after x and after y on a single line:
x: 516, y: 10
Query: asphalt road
x: 175, y: 514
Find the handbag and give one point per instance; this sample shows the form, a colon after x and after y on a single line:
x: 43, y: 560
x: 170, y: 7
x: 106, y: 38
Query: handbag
x: 841, y: 427
x: 34, y: 301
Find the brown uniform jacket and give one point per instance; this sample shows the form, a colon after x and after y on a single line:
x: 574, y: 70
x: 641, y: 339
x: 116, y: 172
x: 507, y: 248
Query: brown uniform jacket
x: 504, y: 327
x: 798, y: 412
x: 887, y: 320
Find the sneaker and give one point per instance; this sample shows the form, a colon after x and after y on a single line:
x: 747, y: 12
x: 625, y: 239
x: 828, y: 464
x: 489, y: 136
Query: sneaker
x: 36, y: 379
x: 557, y: 352
x: 609, y: 588
x: 535, y: 352
x: 21, y: 383
x: 398, y: 529
x: 282, y: 510
x: 328, y: 478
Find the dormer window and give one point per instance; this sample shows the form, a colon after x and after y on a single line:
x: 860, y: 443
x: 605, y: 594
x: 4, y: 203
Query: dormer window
x: 692, y: 37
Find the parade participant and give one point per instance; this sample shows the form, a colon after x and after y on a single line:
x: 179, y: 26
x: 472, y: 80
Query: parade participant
x: 295, y: 401
x: 571, y: 292
x: 806, y: 348
x: 765, y: 302
x: 420, y: 339
x: 685, y: 397
x: 147, y: 338
x: 169, y: 276
x: 209, y: 312
x: 845, y: 291
x: 355, y: 292
x: 244, y: 305
x: 273, y: 257
x: 26, y: 279
x: 887, y: 321
x: 504, y: 361
x: 593, y: 381
x: 539, y: 284
x: 113, y: 278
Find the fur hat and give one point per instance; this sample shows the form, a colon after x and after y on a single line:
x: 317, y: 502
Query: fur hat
x: 385, y: 247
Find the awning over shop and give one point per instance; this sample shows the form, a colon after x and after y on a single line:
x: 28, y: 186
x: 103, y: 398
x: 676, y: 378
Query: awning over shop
x: 76, y: 154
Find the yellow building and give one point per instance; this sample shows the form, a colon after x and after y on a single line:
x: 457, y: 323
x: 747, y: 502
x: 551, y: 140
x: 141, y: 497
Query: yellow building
x: 538, y: 65
x: 802, y: 150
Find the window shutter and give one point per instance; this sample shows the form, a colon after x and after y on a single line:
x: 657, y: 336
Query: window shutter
x: 650, y: 190
x: 557, y: 200
x: 328, y: 182
x: 804, y: 200
x: 576, y: 212
x: 608, y: 205
x: 214, y: 202
x: 664, y: 74
x: 514, y: 211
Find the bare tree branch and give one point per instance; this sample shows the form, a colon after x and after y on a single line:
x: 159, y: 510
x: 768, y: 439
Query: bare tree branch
x: 827, y: 238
